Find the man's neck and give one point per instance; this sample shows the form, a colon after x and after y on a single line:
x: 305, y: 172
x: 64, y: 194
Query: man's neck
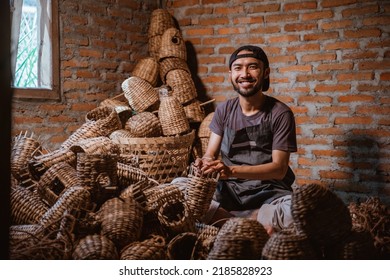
x: 252, y: 105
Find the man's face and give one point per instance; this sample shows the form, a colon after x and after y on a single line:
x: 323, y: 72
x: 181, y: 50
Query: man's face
x: 247, y: 75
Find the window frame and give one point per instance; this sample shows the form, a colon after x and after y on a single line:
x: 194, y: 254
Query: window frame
x: 54, y: 92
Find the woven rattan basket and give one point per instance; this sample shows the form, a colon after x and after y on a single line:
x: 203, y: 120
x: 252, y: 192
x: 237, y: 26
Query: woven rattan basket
x: 157, y: 196
x: 95, y: 247
x: 120, y: 133
x: 56, y: 180
x: 173, y: 44
x: 154, y: 44
x: 194, y: 111
x: 160, y: 20
x: 121, y: 221
x: 200, y: 191
x: 239, y: 238
x: 95, y: 145
x: 181, y: 246
x: 147, y: 69
x: 206, y: 235
x: 121, y: 107
x: 289, y: 245
x: 140, y: 94
x: 172, y: 116
x: 182, y: 85
x: 320, y: 214
x: 144, y: 124
x: 106, y: 118
x: 153, y: 248
x: 176, y: 217
x: 161, y: 158
x: 172, y: 63
x: 26, y: 206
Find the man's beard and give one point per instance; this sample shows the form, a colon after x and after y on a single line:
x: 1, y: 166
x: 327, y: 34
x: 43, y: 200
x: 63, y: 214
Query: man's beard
x: 250, y: 92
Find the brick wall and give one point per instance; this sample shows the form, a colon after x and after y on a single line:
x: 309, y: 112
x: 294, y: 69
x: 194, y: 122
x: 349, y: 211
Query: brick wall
x: 329, y: 62
x: 100, y: 43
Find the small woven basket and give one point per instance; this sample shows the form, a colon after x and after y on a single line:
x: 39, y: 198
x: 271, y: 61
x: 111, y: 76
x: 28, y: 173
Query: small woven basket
x: 289, y: 245
x: 26, y: 206
x: 204, y: 130
x: 176, y: 217
x: 106, y: 118
x: 173, y: 44
x: 137, y: 191
x: 147, y: 69
x: 23, y: 149
x: 121, y: 221
x: 182, y: 85
x: 85, y: 131
x: 140, y: 93
x: 200, y: 191
x: 172, y: 116
x: 156, y: 197
x: 206, y: 235
x: 154, y: 44
x: 320, y: 214
x: 181, y: 246
x: 238, y: 239
x: 172, y: 63
x: 153, y: 248
x: 40, y: 163
x: 56, y: 180
x: 161, y: 158
x: 144, y: 124
x: 160, y: 20
x: 95, y: 145
x: 120, y: 133
x: 121, y: 107
x: 194, y: 111
x: 95, y: 247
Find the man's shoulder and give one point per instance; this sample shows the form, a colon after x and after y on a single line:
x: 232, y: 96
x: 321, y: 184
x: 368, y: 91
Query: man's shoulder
x: 277, y: 105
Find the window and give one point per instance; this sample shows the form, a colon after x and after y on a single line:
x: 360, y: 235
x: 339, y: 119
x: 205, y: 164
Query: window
x: 35, y: 49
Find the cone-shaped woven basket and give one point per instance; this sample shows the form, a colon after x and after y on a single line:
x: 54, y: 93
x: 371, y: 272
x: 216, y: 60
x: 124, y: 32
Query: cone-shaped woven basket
x: 160, y: 20
x: 147, y: 69
x: 182, y: 85
x: 144, y: 124
x: 95, y: 145
x: 154, y: 45
x: 172, y: 63
x: 95, y: 247
x: 106, y: 118
x: 121, y: 107
x: 140, y: 93
x: 153, y: 248
x: 194, y: 111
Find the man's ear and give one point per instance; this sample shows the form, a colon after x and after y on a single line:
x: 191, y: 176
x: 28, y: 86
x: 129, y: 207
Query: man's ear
x: 266, y: 73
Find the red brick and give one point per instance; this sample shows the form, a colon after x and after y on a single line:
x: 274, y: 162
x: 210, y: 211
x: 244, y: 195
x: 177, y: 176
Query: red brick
x: 332, y: 88
x: 308, y: 5
x: 353, y: 120
x: 335, y: 174
x: 317, y: 15
x: 337, y: 3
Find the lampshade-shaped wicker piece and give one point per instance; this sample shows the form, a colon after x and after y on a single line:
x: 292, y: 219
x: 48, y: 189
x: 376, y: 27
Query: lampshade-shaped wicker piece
x: 176, y: 217
x: 160, y: 20
x: 144, y: 124
x: 26, y: 206
x: 120, y: 133
x: 153, y: 248
x: 95, y: 247
x: 106, y: 118
x: 173, y: 44
x: 172, y: 63
x: 148, y: 69
x: 140, y: 93
x: 206, y: 235
x: 172, y: 116
x: 182, y: 85
x: 121, y: 107
x: 95, y: 145
x: 239, y: 238
x: 154, y: 44
x: 204, y: 130
x: 121, y: 221
x: 289, y: 245
x: 194, y: 111
x: 320, y: 214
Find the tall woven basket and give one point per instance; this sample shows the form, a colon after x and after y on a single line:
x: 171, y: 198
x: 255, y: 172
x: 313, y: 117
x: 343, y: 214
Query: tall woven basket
x: 161, y: 158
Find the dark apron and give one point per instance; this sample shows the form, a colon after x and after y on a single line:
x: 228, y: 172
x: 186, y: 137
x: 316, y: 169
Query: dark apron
x: 250, y: 146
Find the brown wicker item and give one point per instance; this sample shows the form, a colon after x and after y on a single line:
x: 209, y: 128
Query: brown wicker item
x: 86, y: 130
x: 95, y: 145
x: 23, y: 149
x: 153, y: 248
x: 40, y: 163
x: 129, y: 175
x: 71, y: 201
x: 172, y: 44
x: 160, y: 20
x: 181, y: 246
x: 98, y: 174
x: 172, y: 63
x: 144, y: 124
x: 154, y: 44
x: 161, y: 158
x: 140, y: 94
x: 239, y: 238
x: 157, y: 196
x: 120, y: 133
x: 137, y: 191
x: 24, y: 233
x: 200, y: 190
x: 206, y: 235
x: 320, y: 214
x: 194, y: 111
x: 95, y: 247
x: 56, y: 180
x: 122, y: 108
x: 121, y: 221
x: 172, y: 115
x: 176, y: 217
x: 147, y: 69
x: 182, y: 85
x: 26, y: 206
x: 289, y: 245
x: 204, y: 130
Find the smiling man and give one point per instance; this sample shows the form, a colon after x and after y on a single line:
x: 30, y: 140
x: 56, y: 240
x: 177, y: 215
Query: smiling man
x: 254, y: 133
